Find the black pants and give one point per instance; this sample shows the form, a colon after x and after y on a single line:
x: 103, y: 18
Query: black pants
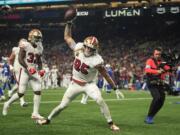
x: 158, y: 95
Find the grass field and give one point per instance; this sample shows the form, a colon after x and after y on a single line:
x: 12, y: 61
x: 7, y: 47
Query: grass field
x: 80, y: 119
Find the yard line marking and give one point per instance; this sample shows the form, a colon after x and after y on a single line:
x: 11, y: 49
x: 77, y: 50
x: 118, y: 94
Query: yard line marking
x: 125, y: 99
x: 61, y: 92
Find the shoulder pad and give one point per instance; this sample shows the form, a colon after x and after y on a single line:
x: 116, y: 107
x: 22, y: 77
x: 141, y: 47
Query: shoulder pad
x: 23, y: 43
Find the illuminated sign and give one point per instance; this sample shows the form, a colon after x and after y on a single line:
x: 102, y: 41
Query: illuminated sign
x: 122, y: 12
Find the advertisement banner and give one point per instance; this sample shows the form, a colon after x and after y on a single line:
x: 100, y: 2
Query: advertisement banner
x: 126, y: 12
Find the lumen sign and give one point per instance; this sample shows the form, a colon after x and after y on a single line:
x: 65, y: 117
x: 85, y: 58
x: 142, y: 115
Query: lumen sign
x: 122, y: 12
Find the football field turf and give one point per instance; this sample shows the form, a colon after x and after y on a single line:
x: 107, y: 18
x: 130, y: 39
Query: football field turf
x: 79, y: 119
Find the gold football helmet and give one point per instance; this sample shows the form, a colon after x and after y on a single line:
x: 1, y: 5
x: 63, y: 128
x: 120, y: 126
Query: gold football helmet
x: 92, y: 43
x: 35, y: 36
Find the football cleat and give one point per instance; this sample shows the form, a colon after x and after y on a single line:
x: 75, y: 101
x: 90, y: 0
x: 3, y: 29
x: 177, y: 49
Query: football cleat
x: 5, y: 109
x: 25, y: 104
x: 43, y: 121
x: 37, y: 117
x: 3, y: 98
x: 149, y: 120
x: 114, y: 127
x: 83, y: 102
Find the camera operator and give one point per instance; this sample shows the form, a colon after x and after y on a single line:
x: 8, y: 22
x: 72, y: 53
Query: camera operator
x: 154, y: 72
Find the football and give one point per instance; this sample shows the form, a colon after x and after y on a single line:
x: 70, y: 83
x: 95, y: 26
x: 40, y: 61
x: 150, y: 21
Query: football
x: 70, y: 13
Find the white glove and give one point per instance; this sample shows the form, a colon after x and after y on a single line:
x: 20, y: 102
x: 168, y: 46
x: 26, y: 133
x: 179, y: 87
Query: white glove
x: 11, y: 68
x: 119, y: 94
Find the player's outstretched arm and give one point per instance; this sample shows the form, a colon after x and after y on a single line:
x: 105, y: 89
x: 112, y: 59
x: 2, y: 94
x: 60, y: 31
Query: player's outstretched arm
x: 68, y: 36
x: 104, y: 73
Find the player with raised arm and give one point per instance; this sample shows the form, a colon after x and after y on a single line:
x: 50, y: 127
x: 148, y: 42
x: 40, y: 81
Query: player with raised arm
x: 30, y: 70
x: 87, y: 64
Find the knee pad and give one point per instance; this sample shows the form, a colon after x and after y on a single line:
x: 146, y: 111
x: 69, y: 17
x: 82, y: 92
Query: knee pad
x: 37, y: 92
x: 20, y: 94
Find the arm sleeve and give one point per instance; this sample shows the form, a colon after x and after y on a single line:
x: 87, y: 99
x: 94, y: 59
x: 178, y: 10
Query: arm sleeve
x: 98, y: 61
x: 77, y: 48
x: 148, y: 67
x: 14, y: 49
x: 73, y: 46
x: 23, y: 44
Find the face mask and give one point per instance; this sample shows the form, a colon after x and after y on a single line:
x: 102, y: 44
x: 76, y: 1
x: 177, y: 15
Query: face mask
x: 37, y: 40
x: 89, y: 51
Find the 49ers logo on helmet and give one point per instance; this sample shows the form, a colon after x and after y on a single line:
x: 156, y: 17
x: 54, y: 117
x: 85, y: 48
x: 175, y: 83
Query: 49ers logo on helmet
x: 91, y: 42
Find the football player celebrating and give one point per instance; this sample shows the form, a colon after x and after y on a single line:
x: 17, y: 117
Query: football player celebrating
x: 14, y: 64
x: 86, y: 65
x: 29, y: 71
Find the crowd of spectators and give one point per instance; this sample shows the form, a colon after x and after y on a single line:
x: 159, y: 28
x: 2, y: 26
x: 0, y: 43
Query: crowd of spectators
x: 124, y: 48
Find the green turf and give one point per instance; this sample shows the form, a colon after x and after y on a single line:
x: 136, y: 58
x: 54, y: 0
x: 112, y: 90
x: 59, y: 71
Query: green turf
x: 81, y: 119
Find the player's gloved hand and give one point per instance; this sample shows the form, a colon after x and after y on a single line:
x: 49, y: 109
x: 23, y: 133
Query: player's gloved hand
x: 70, y: 22
x: 41, y: 73
x: 115, y: 88
x: 11, y: 68
x: 118, y: 93
x: 31, y: 71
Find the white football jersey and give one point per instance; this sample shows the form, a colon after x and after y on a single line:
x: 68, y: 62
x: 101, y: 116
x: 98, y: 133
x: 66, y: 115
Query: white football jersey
x: 31, y: 53
x: 46, y: 69
x: 47, y: 72
x: 16, y: 64
x: 84, y: 67
x: 54, y: 73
